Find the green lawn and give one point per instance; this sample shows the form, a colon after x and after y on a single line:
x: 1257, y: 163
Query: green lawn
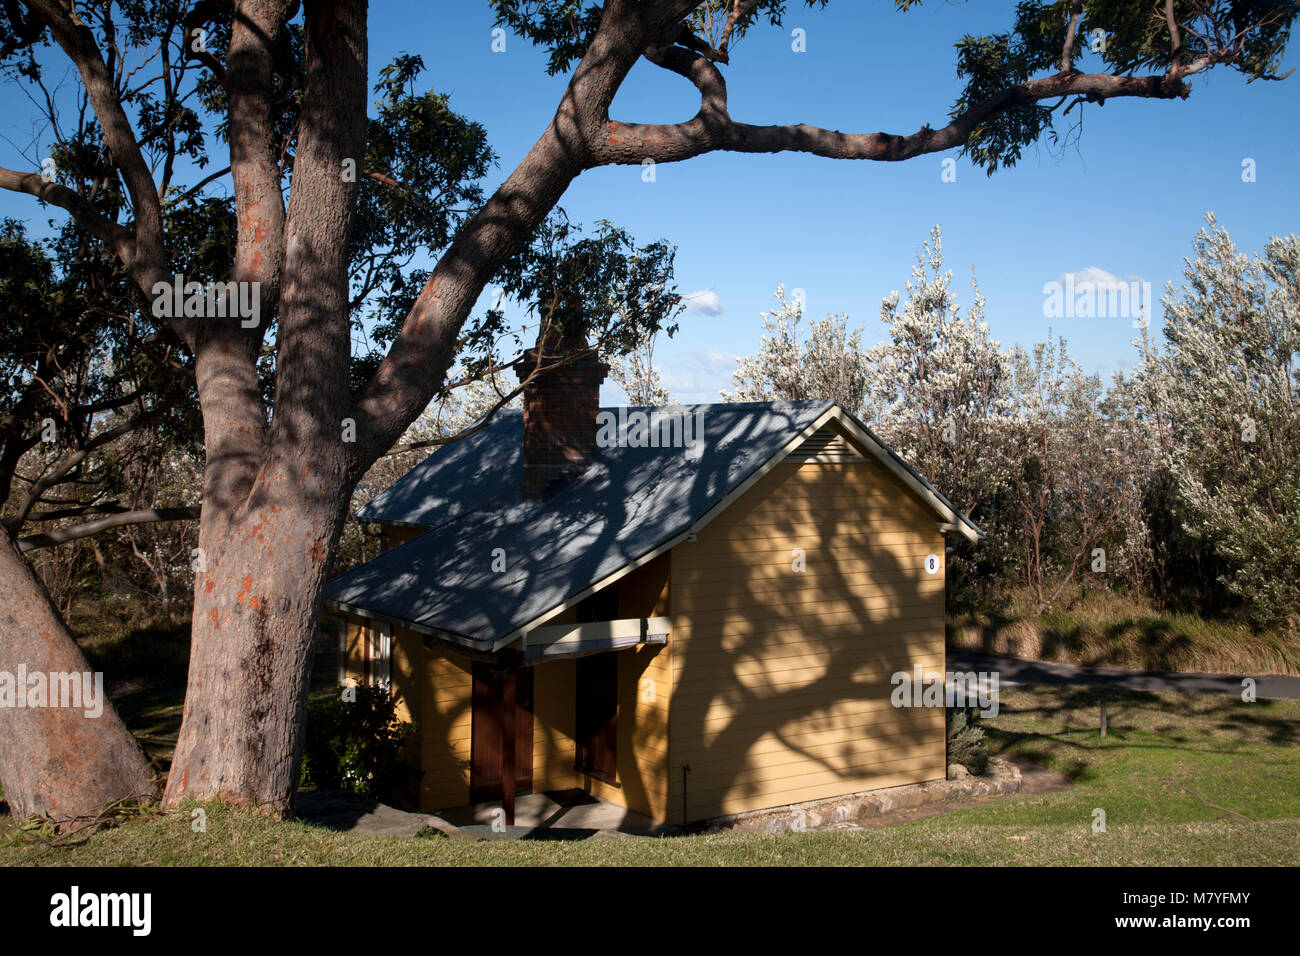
x: 1168, y: 760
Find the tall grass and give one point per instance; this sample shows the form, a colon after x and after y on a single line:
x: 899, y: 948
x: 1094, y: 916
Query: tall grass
x: 1105, y: 629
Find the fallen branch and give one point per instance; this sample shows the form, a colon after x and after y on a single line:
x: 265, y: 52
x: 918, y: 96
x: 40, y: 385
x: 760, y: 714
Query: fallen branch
x: 1207, y: 802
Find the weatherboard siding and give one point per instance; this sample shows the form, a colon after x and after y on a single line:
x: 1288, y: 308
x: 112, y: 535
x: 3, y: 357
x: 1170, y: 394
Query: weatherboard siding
x: 645, y: 693
x: 554, y: 702
x: 396, y: 534
x: 407, y: 673
x: 644, y: 677
x: 432, y: 688
x: 444, y: 730
x: 780, y: 679
x: 354, y: 661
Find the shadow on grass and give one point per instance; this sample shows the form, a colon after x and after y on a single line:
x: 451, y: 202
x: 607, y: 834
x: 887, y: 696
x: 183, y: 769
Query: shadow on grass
x: 145, y: 668
x: 1073, y: 714
x: 153, y: 656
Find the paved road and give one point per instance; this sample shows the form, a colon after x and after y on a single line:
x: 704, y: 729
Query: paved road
x: 1013, y: 670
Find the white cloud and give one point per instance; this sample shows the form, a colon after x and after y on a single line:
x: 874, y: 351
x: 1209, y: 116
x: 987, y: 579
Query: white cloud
x: 1095, y: 293
x: 1098, y: 277
x: 704, y: 300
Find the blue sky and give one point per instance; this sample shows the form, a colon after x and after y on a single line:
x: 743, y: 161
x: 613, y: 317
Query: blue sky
x: 1128, y: 200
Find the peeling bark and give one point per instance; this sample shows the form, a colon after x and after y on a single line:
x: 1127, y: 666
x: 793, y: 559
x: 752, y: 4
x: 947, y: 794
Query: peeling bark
x: 274, y: 496
x: 256, y: 614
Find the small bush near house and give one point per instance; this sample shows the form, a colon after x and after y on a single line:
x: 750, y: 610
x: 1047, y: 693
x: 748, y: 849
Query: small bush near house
x: 966, y: 744
x: 358, y: 745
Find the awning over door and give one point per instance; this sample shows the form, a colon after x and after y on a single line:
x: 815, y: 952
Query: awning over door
x: 578, y: 640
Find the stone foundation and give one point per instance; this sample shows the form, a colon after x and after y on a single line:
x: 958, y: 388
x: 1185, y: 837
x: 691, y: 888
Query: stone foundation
x: 1000, y: 778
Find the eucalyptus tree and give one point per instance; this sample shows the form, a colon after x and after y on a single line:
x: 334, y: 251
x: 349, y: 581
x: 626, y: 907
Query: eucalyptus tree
x: 85, y: 392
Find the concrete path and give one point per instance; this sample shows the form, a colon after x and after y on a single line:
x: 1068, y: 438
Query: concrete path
x: 554, y: 815
x: 352, y: 813
x: 1013, y: 670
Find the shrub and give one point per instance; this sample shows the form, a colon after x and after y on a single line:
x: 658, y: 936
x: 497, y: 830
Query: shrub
x: 357, y: 745
x: 966, y: 744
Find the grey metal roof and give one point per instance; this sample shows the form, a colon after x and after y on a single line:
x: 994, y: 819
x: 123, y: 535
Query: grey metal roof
x: 628, y: 503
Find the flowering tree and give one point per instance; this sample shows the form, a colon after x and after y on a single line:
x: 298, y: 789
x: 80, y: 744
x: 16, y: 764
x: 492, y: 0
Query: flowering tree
x: 636, y: 375
x: 829, y: 364
x: 1227, y: 383
x: 941, y: 389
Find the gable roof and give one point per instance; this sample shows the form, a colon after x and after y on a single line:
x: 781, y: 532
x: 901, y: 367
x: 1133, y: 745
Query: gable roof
x: 628, y: 507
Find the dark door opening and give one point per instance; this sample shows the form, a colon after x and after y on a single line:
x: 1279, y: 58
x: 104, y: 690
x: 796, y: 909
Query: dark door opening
x: 488, y: 725
x: 596, y: 731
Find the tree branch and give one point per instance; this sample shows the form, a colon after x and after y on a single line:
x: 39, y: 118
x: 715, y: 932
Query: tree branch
x: 73, y: 457
x: 1071, y: 32
x: 89, y: 528
x: 254, y: 165
x: 191, y: 39
x: 145, y: 255
x: 739, y: 9
x: 701, y: 71
x: 117, y: 237
x: 632, y: 143
x: 1175, y: 38
x: 423, y: 351
x: 198, y: 187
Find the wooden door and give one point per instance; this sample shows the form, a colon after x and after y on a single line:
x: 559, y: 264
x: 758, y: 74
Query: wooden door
x: 492, y: 686
x: 596, y: 734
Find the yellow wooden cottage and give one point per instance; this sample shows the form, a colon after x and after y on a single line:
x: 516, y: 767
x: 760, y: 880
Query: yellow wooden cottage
x: 691, y: 612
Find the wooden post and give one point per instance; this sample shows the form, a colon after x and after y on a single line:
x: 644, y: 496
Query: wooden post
x: 1103, y: 717
x: 509, y: 695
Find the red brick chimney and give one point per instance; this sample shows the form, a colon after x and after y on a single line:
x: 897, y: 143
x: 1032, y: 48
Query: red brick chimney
x: 560, y: 408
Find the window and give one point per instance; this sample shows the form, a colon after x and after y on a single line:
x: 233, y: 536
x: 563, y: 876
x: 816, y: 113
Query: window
x: 601, y: 606
x: 343, y: 652
x: 379, y: 655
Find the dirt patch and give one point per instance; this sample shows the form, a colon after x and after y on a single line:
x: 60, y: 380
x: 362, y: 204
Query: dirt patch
x: 1035, y: 779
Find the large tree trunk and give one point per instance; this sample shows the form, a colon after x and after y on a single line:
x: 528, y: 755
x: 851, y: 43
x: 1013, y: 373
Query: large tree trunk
x: 56, y: 761
x: 274, y: 495
x: 256, y: 615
